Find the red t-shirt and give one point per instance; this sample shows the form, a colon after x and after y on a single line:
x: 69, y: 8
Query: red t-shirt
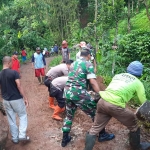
x: 15, y: 64
x: 23, y: 53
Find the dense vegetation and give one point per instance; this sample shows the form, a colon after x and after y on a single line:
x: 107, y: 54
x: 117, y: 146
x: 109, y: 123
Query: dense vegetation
x: 118, y: 29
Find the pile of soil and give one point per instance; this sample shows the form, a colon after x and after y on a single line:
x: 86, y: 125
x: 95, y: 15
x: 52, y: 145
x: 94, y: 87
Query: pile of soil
x: 101, y: 84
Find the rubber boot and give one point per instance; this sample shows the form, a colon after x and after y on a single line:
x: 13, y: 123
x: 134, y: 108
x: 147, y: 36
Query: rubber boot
x: 104, y: 136
x: 134, y: 139
x: 51, y: 103
x: 89, y: 141
x: 66, y: 139
x: 56, y: 113
x: 39, y: 79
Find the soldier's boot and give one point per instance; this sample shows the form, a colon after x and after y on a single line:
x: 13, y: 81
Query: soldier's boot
x: 134, y: 139
x: 51, y: 103
x: 39, y: 79
x: 104, y: 136
x: 66, y: 139
x: 56, y: 113
x: 89, y: 141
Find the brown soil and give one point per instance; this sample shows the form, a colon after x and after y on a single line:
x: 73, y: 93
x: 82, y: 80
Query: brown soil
x: 46, y: 134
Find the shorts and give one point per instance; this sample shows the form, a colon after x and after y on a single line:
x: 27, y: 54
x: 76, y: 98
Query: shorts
x: 39, y: 72
x: 24, y: 58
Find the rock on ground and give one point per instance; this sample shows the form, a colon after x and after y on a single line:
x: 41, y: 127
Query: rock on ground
x: 3, y: 131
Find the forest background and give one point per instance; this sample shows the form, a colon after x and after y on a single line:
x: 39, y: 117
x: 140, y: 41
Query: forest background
x: 119, y: 30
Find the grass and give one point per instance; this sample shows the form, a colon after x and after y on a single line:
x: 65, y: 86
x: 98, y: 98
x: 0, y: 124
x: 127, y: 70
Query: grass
x: 139, y: 22
x: 57, y: 59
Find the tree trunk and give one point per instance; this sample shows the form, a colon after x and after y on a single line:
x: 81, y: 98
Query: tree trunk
x: 115, y: 47
x: 61, y: 24
x: 147, y: 9
x: 137, y: 6
x: 113, y: 2
x: 129, y: 23
x: 132, y: 6
x: 95, y: 28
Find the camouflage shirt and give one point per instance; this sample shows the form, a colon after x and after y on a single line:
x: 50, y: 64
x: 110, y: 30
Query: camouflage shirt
x: 75, y: 88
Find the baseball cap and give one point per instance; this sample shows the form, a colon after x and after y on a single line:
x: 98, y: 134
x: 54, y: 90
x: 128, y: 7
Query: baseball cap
x: 38, y: 49
x: 15, y: 53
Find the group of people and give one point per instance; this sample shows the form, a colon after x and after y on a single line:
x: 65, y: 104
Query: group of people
x: 111, y: 102
x: 15, y: 60
x: 68, y: 84
x: 56, y: 49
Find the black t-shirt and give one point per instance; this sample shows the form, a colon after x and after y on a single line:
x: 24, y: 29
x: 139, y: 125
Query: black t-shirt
x: 9, y: 88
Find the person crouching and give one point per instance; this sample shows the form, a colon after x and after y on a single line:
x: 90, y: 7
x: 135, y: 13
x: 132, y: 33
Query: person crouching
x: 56, y: 88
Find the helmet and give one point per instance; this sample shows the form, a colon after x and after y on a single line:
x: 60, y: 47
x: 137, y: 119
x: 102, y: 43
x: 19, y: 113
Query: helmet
x: 135, y: 68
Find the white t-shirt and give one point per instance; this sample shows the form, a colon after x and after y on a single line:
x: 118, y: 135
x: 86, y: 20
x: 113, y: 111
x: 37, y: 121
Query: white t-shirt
x: 78, y: 55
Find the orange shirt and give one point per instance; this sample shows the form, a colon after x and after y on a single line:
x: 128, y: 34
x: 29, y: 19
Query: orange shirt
x: 15, y: 64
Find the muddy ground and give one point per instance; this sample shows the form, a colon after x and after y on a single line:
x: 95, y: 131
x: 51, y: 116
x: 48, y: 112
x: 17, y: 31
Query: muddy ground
x: 45, y: 133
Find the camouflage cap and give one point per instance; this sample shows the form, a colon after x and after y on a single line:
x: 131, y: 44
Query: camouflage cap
x: 38, y: 49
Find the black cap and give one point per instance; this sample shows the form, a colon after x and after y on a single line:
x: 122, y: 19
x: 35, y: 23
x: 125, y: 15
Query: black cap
x: 69, y: 61
x: 15, y: 53
x: 85, y: 52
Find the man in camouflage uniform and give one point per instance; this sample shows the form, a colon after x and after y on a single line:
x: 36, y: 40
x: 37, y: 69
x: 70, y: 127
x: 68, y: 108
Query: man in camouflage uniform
x: 83, y: 45
x: 76, y: 95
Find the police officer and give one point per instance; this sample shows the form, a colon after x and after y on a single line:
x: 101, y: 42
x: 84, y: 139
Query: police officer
x: 56, y: 90
x: 54, y: 72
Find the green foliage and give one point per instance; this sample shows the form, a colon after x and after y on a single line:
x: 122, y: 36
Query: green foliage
x: 138, y: 22
x: 133, y: 46
x: 136, y: 46
x: 57, y: 60
x: 32, y: 23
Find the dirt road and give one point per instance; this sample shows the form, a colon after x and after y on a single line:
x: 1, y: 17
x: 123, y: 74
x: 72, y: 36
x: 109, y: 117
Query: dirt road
x: 45, y: 133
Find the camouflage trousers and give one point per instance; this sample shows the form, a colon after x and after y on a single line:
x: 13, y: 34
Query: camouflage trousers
x: 87, y: 106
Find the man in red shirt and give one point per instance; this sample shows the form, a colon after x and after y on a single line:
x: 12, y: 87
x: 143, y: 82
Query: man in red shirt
x: 15, y: 62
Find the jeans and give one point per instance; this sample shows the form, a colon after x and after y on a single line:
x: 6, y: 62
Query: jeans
x: 12, y: 108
